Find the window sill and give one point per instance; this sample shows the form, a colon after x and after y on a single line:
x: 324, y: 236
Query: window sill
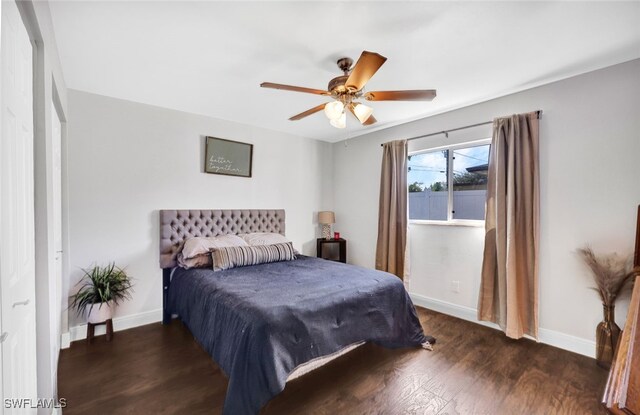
x: 464, y: 223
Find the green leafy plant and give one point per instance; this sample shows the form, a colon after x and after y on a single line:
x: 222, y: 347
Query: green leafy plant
x: 100, y: 285
x: 438, y: 187
x: 416, y: 187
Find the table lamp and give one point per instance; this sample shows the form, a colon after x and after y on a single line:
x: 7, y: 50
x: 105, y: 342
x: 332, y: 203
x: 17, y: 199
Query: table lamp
x: 326, y: 219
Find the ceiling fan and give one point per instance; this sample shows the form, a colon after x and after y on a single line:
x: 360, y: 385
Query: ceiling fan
x: 348, y: 88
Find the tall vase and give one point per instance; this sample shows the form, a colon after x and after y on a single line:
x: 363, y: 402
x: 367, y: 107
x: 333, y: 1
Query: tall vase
x: 607, y: 334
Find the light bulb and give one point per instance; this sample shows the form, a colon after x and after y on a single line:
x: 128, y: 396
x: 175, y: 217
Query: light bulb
x: 340, y: 122
x: 362, y: 112
x: 334, y: 110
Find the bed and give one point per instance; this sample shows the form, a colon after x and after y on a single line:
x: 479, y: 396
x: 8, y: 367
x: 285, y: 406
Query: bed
x: 264, y: 323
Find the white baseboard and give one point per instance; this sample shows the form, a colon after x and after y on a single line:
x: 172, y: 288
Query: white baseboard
x: 568, y: 342
x: 65, y: 340
x: 553, y: 338
x: 119, y: 323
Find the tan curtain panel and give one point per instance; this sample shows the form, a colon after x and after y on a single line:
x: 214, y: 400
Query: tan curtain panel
x: 509, y: 287
x: 392, y: 212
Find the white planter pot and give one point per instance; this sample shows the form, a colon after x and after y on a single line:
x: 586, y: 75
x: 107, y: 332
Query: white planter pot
x: 100, y: 312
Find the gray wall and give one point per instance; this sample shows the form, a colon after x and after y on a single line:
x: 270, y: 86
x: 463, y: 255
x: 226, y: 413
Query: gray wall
x: 590, y: 145
x: 128, y: 160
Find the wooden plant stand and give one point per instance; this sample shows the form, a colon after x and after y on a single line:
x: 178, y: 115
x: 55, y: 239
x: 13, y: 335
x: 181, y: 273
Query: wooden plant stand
x: 91, y: 329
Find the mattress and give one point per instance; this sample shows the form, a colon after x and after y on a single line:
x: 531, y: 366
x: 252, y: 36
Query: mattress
x: 261, y: 322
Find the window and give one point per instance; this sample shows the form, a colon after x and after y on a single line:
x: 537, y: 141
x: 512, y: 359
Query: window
x: 449, y: 184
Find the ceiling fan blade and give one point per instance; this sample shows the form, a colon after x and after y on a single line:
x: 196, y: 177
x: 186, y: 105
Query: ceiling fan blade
x: 411, y: 95
x: 365, y: 68
x: 369, y: 121
x: 307, y: 112
x: 294, y: 88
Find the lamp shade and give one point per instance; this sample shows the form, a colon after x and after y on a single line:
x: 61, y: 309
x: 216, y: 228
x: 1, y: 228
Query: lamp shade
x: 340, y: 122
x: 326, y: 217
x: 334, y: 110
x: 362, y: 112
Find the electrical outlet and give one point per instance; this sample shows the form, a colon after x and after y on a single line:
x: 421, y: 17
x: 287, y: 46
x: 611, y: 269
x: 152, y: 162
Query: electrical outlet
x: 455, y: 286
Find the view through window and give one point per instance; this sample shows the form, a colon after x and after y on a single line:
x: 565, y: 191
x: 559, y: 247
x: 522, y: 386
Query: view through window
x: 448, y: 184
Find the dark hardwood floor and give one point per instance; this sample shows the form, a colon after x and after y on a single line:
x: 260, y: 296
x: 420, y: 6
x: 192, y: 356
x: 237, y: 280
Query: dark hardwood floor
x: 159, y: 369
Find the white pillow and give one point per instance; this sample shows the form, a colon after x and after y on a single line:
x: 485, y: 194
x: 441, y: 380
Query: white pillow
x: 264, y: 238
x: 199, y: 245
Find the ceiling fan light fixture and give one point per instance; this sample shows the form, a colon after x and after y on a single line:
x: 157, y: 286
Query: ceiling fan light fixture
x: 362, y: 112
x: 340, y: 122
x: 343, y: 90
x: 334, y: 110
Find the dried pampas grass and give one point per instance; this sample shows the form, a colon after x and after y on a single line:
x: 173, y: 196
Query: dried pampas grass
x: 610, y: 272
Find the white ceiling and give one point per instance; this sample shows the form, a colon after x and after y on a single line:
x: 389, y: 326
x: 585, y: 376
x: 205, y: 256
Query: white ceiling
x: 210, y: 57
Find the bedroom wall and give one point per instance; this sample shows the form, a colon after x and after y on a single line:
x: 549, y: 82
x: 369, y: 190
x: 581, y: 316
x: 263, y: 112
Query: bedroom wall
x: 590, y: 143
x: 128, y: 160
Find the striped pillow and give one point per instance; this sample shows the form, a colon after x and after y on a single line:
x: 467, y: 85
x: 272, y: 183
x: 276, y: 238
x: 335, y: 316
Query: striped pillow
x: 241, y: 256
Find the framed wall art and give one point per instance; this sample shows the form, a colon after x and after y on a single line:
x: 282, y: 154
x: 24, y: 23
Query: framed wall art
x: 231, y: 158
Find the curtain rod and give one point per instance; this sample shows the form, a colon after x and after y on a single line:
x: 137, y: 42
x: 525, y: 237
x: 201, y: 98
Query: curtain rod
x: 446, y: 132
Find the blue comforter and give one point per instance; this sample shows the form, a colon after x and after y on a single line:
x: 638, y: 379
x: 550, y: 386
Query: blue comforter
x: 260, y: 322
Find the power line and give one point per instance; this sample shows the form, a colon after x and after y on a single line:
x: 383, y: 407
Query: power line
x: 471, y: 157
x: 431, y: 166
x: 426, y: 169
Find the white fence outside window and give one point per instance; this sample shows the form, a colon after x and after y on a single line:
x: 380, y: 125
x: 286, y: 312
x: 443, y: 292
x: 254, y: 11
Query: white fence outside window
x: 430, y: 205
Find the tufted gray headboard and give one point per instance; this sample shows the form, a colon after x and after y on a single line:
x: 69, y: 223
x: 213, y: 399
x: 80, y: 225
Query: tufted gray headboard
x: 178, y: 225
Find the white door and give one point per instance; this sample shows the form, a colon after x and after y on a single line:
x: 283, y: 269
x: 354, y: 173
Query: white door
x: 55, y: 284
x: 17, y: 260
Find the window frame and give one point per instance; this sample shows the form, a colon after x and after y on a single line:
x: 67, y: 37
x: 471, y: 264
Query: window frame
x: 450, y: 220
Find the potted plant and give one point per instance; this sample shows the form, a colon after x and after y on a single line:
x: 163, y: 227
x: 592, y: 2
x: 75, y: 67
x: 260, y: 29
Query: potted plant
x: 610, y: 273
x: 101, y: 288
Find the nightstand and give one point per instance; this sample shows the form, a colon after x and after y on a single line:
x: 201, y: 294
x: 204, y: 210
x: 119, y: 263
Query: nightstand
x: 332, y: 249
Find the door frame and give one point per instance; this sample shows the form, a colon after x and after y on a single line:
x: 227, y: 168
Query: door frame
x: 46, y: 93
x: 66, y: 269
x: 48, y: 87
